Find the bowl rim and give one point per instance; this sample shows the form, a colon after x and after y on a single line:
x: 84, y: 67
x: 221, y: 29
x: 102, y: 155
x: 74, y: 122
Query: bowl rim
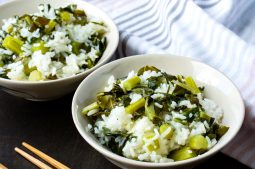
x: 109, y: 154
x: 79, y: 75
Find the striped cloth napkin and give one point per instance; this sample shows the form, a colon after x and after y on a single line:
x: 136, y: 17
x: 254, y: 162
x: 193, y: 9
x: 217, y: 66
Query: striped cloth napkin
x: 217, y: 32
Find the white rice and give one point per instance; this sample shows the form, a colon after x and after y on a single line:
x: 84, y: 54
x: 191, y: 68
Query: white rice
x: 8, y: 22
x: 186, y: 103
x: 26, y: 48
x: 178, y: 115
x: 173, y: 104
x: 197, y: 128
x: 42, y: 62
x: 182, y: 135
x: 163, y: 88
x: 211, y: 142
x: 110, y: 84
x: 25, y: 33
x: 3, y: 51
x: 148, y: 74
x: 211, y: 108
x: 158, y: 105
x: 72, y: 66
x: 134, y: 97
x: 60, y: 42
x: 137, y: 147
x: 167, y: 117
x: 17, y: 71
x: 44, y: 10
x: 157, y: 96
x: 118, y: 119
x: 82, y: 33
x: 91, y: 112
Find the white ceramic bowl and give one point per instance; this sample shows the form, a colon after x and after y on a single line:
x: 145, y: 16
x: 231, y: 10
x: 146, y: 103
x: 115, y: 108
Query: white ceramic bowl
x: 48, y: 90
x: 217, y: 87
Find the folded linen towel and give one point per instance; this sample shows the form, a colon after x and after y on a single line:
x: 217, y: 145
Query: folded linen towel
x: 217, y: 32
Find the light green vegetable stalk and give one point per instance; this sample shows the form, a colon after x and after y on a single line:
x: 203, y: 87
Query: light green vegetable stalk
x: 183, y: 154
x: 221, y: 130
x: 13, y: 44
x: 149, y: 110
x: 76, y: 47
x: 65, y: 16
x: 189, y: 85
x: 166, y: 131
x: 50, y: 26
x: 204, y: 116
x: 135, y: 106
x: 131, y: 83
x: 154, y: 143
x: 35, y: 76
x: 198, y: 142
x: 40, y: 46
x: 105, y: 101
x: 90, y: 107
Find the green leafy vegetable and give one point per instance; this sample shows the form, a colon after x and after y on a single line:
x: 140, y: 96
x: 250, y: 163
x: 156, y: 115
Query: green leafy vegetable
x: 146, y: 68
x: 149, y: 109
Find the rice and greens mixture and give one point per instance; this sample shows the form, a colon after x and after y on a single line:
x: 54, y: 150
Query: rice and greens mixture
x: 50, y: 44
x: 156, y: 117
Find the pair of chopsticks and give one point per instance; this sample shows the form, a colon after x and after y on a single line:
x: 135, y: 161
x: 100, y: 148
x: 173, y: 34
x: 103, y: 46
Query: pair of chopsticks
x: 2, y: 166
x: 42, y: 155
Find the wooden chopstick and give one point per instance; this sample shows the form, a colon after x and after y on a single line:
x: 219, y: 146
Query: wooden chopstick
x: 32, y: 159
x: 45, y: 157
x: 2, y: 166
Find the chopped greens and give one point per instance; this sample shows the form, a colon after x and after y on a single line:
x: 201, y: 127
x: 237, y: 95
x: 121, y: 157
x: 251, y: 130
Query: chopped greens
x: 154, y: 116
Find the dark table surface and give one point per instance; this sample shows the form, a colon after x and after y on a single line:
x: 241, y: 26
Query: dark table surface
x: 49, y: 127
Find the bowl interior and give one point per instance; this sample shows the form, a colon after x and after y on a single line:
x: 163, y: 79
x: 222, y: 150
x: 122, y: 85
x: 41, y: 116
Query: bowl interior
x: 217, y: 87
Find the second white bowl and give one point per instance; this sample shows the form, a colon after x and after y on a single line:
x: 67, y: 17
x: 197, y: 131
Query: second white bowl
x: 48, y: 90
x: 217, y: 87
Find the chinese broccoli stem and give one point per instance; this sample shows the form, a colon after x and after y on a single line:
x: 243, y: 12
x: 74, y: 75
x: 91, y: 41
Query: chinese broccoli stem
x: 92, y: 106
x: 166, y: 131
x: 13, y: 44
x: 198, y: 142
x: 135, y: 106
x: 131, y: 83
x: 149, y: 110
x: 182, y: 154
x: 40, y: 46
x: 50, y: 26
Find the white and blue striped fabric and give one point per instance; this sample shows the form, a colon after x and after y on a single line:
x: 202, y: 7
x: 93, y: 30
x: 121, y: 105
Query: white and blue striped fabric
x: 220, y: 33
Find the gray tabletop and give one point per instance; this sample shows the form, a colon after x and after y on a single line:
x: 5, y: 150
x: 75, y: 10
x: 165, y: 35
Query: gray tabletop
x: 49, y: 127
